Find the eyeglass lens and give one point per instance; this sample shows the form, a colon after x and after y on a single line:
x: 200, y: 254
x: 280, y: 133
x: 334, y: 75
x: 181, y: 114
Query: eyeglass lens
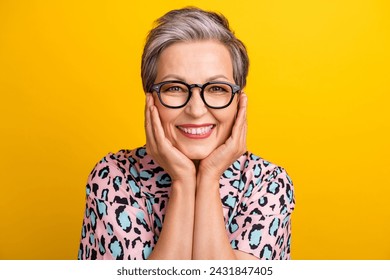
x: 176, y: 94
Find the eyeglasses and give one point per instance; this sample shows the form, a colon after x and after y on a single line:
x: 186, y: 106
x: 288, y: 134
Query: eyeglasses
x: 176, y: 94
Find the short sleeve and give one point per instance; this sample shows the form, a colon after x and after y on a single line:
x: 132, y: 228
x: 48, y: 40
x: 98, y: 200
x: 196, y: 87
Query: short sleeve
x: 262, y: 225
x: 115, y: 224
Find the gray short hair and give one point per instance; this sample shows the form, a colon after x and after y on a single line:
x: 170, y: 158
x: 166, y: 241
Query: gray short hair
x: 191, y: 24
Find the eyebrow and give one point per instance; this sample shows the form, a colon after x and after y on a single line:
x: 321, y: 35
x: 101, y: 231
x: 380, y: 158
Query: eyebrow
x: 177, y: 77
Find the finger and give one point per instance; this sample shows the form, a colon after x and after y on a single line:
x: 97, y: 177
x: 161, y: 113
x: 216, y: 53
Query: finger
x: 245, y: 123
x: 157, y: 128
x: 146, y: 116
x: 150, y: 139
x: 243, y: 138
x: 238, y: 127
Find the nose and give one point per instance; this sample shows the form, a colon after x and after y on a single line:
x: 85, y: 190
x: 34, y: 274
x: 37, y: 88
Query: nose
x: 196, y: 107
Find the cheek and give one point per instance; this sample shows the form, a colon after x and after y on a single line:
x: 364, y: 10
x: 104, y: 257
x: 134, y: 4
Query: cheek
x: 227, y: 119
x: 167, y: 117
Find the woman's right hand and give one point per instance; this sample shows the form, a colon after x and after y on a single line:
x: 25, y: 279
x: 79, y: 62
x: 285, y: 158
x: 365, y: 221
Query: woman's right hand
x: 179, y: 167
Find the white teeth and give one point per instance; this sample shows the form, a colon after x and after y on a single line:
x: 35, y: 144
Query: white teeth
x: 197, y: 131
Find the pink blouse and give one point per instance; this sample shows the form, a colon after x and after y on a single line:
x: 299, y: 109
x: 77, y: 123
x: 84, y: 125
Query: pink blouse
x: 127, y: 194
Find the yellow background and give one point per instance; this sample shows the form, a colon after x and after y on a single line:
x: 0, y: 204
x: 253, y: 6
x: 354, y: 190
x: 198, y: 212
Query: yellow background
x: 319, y: 106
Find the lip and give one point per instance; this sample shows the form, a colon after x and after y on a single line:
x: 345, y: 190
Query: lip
x: 203, y: 131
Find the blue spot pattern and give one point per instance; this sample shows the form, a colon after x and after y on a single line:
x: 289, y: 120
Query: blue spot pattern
x: 257, y: 197
x: 273, y: 229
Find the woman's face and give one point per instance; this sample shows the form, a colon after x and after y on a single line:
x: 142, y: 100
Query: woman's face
x: 195, y: 129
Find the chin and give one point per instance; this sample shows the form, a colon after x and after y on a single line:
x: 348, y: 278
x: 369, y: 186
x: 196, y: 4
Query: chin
x: 196, y: 154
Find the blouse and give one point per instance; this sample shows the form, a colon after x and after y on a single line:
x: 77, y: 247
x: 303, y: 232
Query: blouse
x: 127, y: 194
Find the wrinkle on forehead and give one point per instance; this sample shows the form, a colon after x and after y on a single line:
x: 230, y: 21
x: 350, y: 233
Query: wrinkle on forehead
x: 195, y: 62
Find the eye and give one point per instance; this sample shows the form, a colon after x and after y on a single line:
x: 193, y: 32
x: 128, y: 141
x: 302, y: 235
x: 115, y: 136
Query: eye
x: 174, y: 88
x: 217, y: 88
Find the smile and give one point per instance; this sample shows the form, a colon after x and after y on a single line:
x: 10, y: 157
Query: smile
x: 194, y: 131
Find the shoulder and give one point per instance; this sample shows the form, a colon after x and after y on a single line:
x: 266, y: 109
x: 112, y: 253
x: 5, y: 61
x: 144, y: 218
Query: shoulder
x: 262, y: 169
x: 127, y: 173
x: 111, y: 177
x: 254, y: 168
x: 260, y: 184
x: 123, y: 161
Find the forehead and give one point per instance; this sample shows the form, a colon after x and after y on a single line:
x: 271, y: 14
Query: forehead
x: 194, y: 62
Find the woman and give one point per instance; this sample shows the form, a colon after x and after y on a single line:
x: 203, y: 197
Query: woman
x: 193, y: 192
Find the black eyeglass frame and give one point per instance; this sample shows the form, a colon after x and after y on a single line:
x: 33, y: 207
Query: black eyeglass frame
x: 156, y: 88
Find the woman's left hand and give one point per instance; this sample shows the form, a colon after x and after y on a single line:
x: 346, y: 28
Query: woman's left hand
x: 220, y: 159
